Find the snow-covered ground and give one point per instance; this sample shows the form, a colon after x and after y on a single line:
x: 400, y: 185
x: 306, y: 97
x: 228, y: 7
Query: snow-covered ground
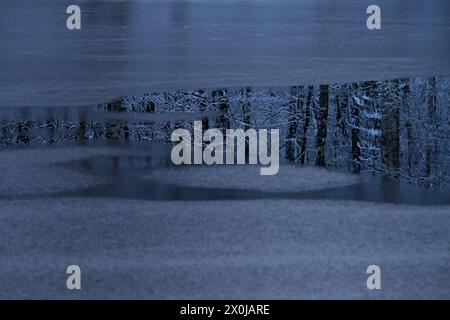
x: 265, y: 248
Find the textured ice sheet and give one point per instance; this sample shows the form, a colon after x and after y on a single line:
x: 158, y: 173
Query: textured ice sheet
x: 41, y: 171
x: 289, y: 178
x: 136, y: 47
x: 223, y: 250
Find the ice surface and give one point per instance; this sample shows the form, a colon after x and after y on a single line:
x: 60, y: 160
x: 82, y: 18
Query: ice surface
x: 208, y: 249
x: 42, y: 171
x: 222, y: 249
x: 289, y: 178
x: 137, y: 47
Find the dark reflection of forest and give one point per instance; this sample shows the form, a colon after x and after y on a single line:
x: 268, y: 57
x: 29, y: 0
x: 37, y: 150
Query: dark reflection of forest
x: 399, y: 128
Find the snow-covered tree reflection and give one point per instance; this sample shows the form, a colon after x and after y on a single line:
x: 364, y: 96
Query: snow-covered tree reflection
x: 398, y: 127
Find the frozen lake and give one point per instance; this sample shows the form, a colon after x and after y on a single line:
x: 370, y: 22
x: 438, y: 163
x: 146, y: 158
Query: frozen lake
x: 137, y: 47
x: 247, y: 248
x: 104, y: 198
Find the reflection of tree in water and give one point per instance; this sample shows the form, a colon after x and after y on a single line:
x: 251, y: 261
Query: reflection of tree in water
x: 22, y: 129
x: 399, y: 128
